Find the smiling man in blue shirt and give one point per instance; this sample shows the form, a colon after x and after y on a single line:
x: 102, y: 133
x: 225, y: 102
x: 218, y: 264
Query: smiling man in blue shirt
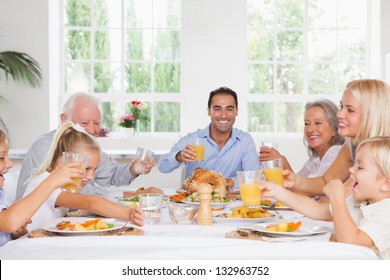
x: 227, y: 149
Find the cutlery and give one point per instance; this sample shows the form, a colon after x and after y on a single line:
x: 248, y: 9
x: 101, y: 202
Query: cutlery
x: 122, y: 229
x: 273, y: 207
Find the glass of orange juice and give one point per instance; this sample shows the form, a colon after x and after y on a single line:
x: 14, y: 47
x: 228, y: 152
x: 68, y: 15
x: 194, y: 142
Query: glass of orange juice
x: 68, y: 157
x: 249, y: 182
x: 199, y: 147
x: 273, y: 170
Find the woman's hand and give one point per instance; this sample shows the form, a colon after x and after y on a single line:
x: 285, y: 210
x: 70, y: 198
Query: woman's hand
x: 267, y: 153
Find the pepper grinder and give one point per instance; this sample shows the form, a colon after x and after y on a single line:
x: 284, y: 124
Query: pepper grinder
x: 205, y: 214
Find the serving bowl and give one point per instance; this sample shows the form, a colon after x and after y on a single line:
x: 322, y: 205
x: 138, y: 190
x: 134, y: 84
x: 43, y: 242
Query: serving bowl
x: 183, y: 215
x: 127, y: 201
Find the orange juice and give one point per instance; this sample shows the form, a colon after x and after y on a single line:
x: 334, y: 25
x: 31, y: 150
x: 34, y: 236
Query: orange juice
x: 199, y: 150
x: 77, y: 182
x: 274, y: 175
x: 250, y: 194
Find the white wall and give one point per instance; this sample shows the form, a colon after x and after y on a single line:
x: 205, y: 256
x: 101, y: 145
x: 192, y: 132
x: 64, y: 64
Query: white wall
x: 212, y: 28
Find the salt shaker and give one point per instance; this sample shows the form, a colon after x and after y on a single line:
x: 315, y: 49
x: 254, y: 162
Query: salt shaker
x: 205, y: 214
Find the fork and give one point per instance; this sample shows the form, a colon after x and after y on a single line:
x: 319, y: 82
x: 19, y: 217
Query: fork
x: 122, y: 229
x: 273, y: 207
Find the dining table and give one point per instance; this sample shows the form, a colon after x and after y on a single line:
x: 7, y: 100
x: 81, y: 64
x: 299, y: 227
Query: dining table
x: 168, y: 240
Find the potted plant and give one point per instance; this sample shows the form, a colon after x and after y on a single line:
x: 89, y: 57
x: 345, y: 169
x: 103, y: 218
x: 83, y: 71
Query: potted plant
x: 129, y: 123
x: 20, y: 67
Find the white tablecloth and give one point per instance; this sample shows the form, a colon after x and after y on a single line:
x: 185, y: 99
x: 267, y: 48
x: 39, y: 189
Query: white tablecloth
x: 187, y: 242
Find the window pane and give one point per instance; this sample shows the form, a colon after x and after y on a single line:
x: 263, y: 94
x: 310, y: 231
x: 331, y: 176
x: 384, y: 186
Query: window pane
x: 138, y: 13
x: 352, y: 45
x: 108, y: 45
x: 290, y: 46
x: 348, y: 72
x: 289, y: 117
x: 77, y: 12
x: 107, y: 13
x: 107, y: 77
x: 166, y: 13
x: 261, y: 78
x: 167, y: 77
x: 139, y: 44
x: 138, y: 77
x: 290, y: 79
x: 355, y: 17
x: 264, y: 112
x: 290, y: 13
x: 77, y: 77
x: 77, y: 44
x: 322, y: 13
x: 167, y: 116
x: 261, y: 13
x: 110, y: 115
x: 260, y: 45
x: 321, y: 78
x: 167, y: 45
x: 322, y: 45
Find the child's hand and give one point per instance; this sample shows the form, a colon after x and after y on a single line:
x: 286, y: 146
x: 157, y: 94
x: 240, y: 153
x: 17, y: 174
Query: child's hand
x: 64, y: 174
x: 269, y: 189
x: 136, y: 216
x: 20, y: 232
x: 290, y: 179
x: 335, y: 190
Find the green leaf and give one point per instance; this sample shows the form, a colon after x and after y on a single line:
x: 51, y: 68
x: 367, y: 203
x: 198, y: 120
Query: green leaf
x: 21, y: 67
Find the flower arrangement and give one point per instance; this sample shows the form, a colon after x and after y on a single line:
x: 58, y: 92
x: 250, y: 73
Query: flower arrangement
x: 138, y: 111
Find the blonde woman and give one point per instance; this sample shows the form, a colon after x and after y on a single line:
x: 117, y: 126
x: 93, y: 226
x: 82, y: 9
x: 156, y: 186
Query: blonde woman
x: 364, y: 112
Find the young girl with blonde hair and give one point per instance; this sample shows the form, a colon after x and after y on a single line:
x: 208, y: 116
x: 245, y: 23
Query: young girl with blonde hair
x: 73, y: 138
x: 14, y: 218
x: 361, y: 218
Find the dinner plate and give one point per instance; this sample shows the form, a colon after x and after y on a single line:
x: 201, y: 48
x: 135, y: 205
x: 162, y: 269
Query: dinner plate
x: 276, y: 207
x: 52, y: 226
x: 302, y: 231
x: 213, y: 204
x: 242, y: 220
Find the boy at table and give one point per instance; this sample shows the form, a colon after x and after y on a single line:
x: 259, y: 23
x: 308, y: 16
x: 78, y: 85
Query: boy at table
x: 227, y: 149
x: 361, y: 218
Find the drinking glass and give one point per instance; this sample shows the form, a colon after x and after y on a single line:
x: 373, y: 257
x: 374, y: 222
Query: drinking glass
x: 269, y: 144
x: 152, y: 205
x: 142, y: 157
x: 68, y: 157
x: 249, y: 182
x: 273, y: 170
x: 199, y: 147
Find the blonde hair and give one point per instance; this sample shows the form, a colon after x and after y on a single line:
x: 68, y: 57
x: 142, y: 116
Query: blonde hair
x: 380, y: 148
x: 374, y: 99
x: 68, y: 137
x: 3, y: 137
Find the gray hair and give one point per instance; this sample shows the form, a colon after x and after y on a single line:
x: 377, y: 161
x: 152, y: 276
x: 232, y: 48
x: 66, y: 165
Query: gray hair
x: 69, y: 104
x: 330, y: 110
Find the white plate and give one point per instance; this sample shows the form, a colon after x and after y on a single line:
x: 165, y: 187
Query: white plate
x: 52, y: 226
x: 276, y: 207
x: 302, y: 231
x: 213, y: 204
x: 242, y: 220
